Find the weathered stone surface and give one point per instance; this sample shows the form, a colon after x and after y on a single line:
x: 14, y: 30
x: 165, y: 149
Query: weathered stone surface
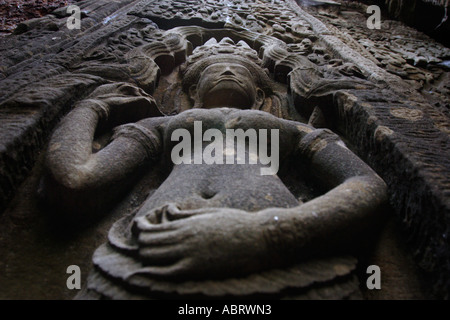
x: 307, y: 278
x: 382, y: 91
x: 413, y: 12
x: 424, y: 213
x: 230, y: 205
x: 13, y: 12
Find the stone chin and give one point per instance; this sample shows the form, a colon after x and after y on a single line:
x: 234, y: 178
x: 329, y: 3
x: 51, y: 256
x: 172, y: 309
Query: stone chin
x: 228, y: 93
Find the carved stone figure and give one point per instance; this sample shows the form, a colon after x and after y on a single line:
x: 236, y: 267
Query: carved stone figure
x: 213, y: 229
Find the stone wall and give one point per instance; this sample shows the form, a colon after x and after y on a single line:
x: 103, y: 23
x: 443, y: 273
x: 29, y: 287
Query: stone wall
x: 426, y: 15
x: 396, y: 119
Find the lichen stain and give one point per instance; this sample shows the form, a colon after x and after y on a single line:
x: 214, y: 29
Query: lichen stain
x: 407, y: 114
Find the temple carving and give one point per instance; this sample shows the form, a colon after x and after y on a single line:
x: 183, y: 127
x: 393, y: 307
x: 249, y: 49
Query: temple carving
x: 116, y: 149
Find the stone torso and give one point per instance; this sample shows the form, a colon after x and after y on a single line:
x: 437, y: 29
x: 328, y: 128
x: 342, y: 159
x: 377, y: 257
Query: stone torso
x: 238, y: 186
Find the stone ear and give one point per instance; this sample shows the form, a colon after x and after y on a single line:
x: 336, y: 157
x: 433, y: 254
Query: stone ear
x: 194, y: 96
x: 193, y: 92
x: 259, y: 99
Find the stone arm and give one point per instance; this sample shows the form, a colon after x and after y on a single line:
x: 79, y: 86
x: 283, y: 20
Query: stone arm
x: 353, y: 203
x: 82, y: 182
x: 223, y: 242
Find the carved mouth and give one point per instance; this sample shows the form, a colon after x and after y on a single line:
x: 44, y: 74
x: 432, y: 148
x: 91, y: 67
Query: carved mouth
x: 229, y: 78
x: 227, y: 93
x: 229, y: 83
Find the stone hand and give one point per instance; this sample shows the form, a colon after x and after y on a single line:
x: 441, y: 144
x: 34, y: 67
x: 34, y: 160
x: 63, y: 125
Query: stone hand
x: 167, y: 213
x: 121, y: 103
x: 203, y: 243
x: 129, y: 109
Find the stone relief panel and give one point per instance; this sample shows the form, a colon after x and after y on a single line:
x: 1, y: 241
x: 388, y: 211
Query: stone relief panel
x: 400, y: 50
x: 227, y: 223
x: 137, y: 71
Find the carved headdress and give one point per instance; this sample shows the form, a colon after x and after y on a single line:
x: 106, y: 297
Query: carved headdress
x: 227, y: 51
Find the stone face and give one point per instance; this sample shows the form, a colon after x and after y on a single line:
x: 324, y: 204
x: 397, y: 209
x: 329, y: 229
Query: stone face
x: 138, y: 70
